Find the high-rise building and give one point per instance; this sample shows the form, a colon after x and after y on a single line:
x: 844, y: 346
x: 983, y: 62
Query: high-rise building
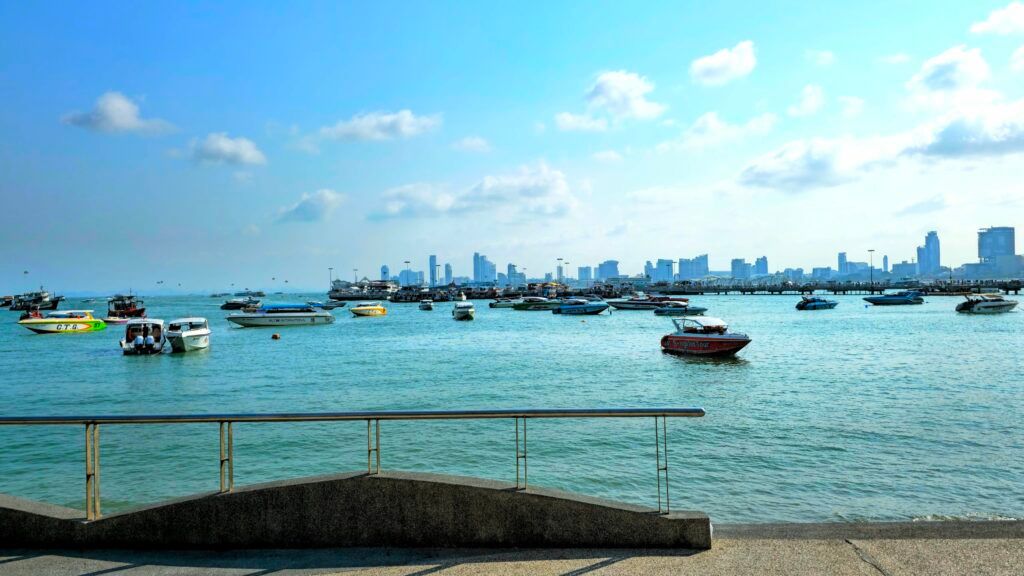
x: 663, y: 271
x: 558, y: 273
x: 476, y: 266
x: 432, y: 263
x: 447, y: 274
x: 583, y: 274
x: 649, y: 270
x: 484, y: 271
x: 885, y: 263
x: 693, y: 268
x: 608, y: 269
x: 761, y: 266
x: 842, y: 263
x: 995, y: 242
x: 740, y: 269
x: 409, y: 277
x: 385, y: 273
x: 928, y: 261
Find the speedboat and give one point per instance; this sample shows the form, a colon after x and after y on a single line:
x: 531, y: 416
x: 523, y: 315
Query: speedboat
x: 188, y: 334
x: 426, y: 304
x: 463, y: 311
x: 502, y: 303
x: 143, y: 336
x: 241, y: 303
x: 121, y: 308
x: 67, y: 321
x: 815, y: 303
x: 326, y: 305
x: 580, y: 307
x: 985, y: 304
x: 643, y: 302
x: 677, y: 308
x: 369, y: 309
x: 703, y: 336
x: 896, y: 299
x: 282, y: 315
x: 534, y: 303
x: 251, y: 293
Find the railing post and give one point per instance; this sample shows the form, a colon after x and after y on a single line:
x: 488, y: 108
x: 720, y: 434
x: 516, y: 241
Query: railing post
x: 372, y: 446
x: 227, y: 460
x: 522, y: 481
x: 661, y: 457
x: 92, y: 471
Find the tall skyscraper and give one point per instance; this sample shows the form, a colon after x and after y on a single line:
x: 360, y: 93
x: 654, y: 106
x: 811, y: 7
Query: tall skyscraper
x: 476, y: 266
x: 447, y: 274
x: 885, y: 263
x: 740, y: 269
x: 558, y: 273
x: 432, y: 263
x: 385, y: 273
x: 608, y: 269
x: 843, y: 269
x: 928, y: 261
x: 649, y: 270
x: 996, y: 241
x: 583, y: 274
x: 761, y: 265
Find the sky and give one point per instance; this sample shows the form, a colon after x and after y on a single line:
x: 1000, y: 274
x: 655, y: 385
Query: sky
x: 208, y: 145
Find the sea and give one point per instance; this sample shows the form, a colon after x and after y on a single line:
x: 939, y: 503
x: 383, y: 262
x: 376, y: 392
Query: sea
x: 858, y: 413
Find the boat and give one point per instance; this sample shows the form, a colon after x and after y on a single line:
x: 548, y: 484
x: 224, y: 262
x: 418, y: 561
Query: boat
x: 369, y: 309
x: 580, y: 307
x: 6, y: 301
x: 251, y: 294
x: 241, y: 303
x: 815, y: 303
x: 703, y: 336
x: 188, y: 334
x: 643, y: 302
x: 896, y: 299
x: 463, y: 311
x: 462, y: 296
x: 502, y: 303
x: 364, y: 290
x: 143, y: 336
x: 63, y: 322
x: 676, y: 308
x: 426, y: 304
x: 985, y: 304
x: 125, y: 306
x: 281, y: 315
x: 41, y: 300
x: 326, y: 305
x: 534, y: 303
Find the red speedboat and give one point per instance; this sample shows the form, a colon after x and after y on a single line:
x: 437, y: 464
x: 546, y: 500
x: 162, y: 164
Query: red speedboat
x: 703, y: 336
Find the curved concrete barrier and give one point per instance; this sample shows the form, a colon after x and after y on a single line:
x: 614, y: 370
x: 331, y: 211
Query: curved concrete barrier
x: 356, y: 509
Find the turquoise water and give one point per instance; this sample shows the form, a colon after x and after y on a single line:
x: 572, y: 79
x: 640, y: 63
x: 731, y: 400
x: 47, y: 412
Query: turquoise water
x: 850, y: 414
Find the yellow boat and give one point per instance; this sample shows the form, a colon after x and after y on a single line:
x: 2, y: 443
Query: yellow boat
x: 369, y: 309
x: 65, y: 321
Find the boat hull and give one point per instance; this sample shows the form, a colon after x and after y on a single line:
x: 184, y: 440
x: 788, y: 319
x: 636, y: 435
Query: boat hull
x: 261, y: 320
x: 625, y: 305
x: 817, y: 305
x: 366, y: 312
x: 501, y: 305
x: 987, y: 308
x: 581, y: 309
x: 703, y: 345
x: 189, y: 341
x: 65, y: 326
x: 536, y: 306
x: 157, y: 348
x: 688, y: 311
x: 462, y: 315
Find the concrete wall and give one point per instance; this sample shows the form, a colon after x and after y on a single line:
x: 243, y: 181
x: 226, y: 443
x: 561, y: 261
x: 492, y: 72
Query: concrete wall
x: 390, y: 509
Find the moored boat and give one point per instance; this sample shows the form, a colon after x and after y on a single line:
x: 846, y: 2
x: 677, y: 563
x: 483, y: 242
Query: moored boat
x: 985, y: 304
x: 369, y: 309
x: 64, y: 322
x: 896, y: 299
x: 502, y: 303
x: 327, y: 305
x: 815, y: 303
x: 703, y: 336
x: 281, y: 315
x: 188, y: 334
x: 676, y: 308
x: 463, y: 311
x: 643, y: 302
x: 535, y: 303
x: 125, y: 306
x: 426, y: 304
x: 143, y: 336
x: 241, y: 303
x: 580, y: 307
x: 41, y: 300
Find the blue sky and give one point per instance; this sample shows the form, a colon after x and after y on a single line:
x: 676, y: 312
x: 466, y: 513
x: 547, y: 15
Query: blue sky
x: 239, y: 142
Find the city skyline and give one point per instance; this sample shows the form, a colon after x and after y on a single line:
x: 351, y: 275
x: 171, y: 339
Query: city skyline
x: 226, y: 154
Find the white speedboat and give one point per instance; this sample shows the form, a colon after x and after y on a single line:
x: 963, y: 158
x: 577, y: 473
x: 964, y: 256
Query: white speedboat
x: 463, y: 311
x: 426, y: 304
x: 282, y: 315
x: 985, y: 304
x: 143, y: 336
x: 188, y: 334
x: 503, y: 303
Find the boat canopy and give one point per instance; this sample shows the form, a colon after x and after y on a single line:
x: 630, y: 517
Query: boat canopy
x: 702, y: 321
x: 141, y: 321
x: 68, y: 313
x: 284, y: 306
x: 366, y: 304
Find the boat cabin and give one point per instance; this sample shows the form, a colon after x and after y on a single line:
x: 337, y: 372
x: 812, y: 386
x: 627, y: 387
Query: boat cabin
x: 187, y: 325
x: 700, y: 325
x: 286, y: 309
x: 70, y: 314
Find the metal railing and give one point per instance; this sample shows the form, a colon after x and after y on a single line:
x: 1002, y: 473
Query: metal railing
x: 373, y: 419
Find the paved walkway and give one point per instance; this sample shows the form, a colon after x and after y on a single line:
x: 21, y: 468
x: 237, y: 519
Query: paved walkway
x: 784, y: 556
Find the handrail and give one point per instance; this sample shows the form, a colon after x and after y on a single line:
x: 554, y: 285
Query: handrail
x: 368, y: 415
x: 372, y: 418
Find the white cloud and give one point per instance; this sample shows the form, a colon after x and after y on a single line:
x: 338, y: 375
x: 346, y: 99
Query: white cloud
x: 725, y: 65
x: 812, y: 98
x: 314, y: 207
x: 608, y: 156
x: 1017, y: 60
x: 568, y: 122
x: 472, y: 144
x: 955, y: 69
x: 821, y: 57
x: 852, y: 105
x: 897, y: 58
x: 381, y: 126
x: 624, y: 95
x: 219, y: 148
x: 991, y: 130
x: 115, y: 112
x: 710, y: 130
x: 1009, y: 20
x: 532, y: 191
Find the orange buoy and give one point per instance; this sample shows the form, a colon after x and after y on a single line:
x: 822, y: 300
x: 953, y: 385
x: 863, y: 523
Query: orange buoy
x: 276, y: 336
